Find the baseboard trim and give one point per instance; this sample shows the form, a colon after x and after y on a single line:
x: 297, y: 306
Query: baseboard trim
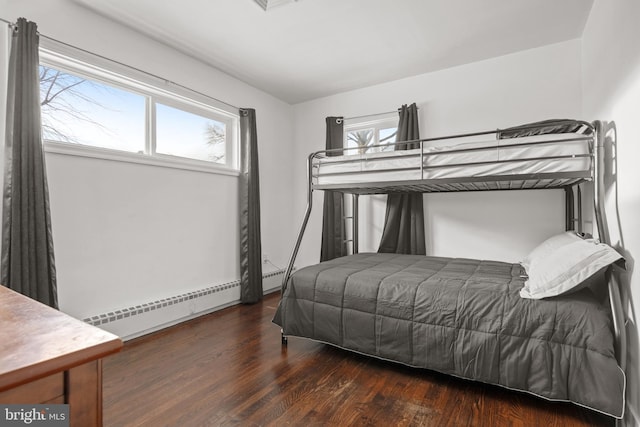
x: 135, y: 321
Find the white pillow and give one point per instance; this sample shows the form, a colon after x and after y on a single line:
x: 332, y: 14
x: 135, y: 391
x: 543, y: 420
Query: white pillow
x: 559, y: 268
x: 548, y: 246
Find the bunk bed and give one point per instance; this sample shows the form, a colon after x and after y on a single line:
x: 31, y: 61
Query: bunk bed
x: 473, y: 319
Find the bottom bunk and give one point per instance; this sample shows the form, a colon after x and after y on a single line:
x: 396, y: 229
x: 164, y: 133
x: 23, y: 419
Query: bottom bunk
x: 461, y: 317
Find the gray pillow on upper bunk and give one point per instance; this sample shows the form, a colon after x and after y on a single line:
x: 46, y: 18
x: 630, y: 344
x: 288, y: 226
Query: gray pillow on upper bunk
x: 563, y: 263
x: 545, y: 127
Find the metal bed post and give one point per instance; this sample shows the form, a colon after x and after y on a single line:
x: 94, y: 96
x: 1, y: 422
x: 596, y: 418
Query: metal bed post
x: 599, y: 196
x: 569, y: 206
x: 421, y: 159
x: 354, y: 223
x: 599, y: 190
x: 580, y: 224
x: 573, y: 199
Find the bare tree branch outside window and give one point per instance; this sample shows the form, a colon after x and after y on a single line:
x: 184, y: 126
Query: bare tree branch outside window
x: 61, y: 93
x: 216, y: 138
x: 364, y: 139
x: 361, y: 138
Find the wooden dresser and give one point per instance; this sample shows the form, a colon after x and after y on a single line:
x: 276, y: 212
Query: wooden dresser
x: 47, y: 356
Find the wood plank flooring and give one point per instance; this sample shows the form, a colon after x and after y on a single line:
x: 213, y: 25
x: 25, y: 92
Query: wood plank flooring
x: 229, y: 369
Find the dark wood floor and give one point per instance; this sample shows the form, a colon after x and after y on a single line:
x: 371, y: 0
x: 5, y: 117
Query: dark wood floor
x: 228, y: 368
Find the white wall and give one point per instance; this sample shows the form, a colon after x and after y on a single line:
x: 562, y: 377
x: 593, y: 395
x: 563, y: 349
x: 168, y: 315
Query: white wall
x: 126, y: 234
x: 531, y: 85
x: 611, y: 87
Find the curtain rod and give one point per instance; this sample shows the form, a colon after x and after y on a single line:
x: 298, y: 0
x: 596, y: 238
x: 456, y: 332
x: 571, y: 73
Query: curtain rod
x: 12, y: 24
x: 372, y: 115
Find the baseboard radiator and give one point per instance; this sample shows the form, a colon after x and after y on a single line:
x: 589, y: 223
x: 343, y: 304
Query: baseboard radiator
x: 138, y: 320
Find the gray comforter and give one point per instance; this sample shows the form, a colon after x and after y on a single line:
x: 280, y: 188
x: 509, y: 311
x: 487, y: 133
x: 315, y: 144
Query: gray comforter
x: 462, y: 317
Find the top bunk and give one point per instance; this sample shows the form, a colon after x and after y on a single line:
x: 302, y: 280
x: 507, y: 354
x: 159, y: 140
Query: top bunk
x: 542, y: 155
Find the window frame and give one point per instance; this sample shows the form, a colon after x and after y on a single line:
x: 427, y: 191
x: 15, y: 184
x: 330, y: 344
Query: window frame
x: 383, y: 121
x: 376, y: 122
x: 154, y: 90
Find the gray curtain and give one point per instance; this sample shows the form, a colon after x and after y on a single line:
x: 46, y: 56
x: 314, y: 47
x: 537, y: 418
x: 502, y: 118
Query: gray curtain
x: 28, y: 264
x: 333, y: 227
x: 403, y: 231
x: 569, y: 210
x: 249, y: 197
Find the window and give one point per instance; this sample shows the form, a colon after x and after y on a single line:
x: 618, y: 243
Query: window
x: 92, y: 111
x: 183, y: 134
x: 372, y: 136
x: 76, y: 110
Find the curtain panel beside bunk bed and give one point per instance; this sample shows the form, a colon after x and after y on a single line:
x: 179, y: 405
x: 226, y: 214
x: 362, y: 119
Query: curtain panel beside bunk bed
x: 333, y: 230
x: 403, y: 231
x: 249, y: 209
x: 28, y: 262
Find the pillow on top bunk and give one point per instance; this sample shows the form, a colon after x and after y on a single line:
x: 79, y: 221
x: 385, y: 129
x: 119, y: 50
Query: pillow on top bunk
x: 562, y: 263
x: 545, y: 127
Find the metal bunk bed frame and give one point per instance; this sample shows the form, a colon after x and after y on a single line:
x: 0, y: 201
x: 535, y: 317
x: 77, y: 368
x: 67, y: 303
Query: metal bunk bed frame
x: 595, y: 174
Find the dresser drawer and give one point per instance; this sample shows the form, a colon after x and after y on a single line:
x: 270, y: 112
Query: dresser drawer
x: 44, y: 390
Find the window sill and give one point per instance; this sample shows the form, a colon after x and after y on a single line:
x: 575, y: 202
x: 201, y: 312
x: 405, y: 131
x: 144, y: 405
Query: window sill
x: 142, y: 159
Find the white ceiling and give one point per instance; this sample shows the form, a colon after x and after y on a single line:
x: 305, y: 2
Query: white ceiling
x: 313, y: 48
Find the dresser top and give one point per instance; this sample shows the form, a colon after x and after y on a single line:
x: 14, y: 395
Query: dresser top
x: 37, y: 340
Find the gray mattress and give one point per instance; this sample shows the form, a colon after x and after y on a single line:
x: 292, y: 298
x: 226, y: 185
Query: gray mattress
x: 461, y: 317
